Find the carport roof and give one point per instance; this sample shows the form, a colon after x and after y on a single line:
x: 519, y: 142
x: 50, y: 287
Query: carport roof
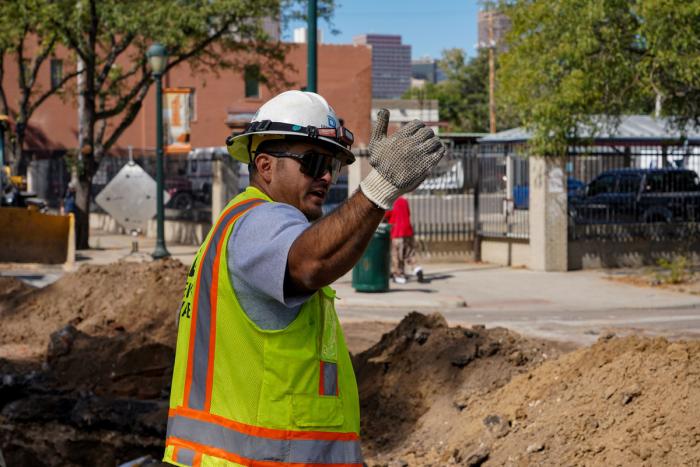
x: 641, y: 129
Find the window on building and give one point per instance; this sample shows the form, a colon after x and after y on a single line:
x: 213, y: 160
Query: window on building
x: 251, y: 75
x: 56, y: 72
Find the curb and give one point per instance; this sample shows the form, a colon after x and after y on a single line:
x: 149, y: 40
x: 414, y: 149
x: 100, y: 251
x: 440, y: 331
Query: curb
x: 381, y: 300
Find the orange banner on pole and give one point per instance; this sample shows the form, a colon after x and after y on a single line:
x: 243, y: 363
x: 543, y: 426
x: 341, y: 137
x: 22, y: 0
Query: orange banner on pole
x: 176, y: 120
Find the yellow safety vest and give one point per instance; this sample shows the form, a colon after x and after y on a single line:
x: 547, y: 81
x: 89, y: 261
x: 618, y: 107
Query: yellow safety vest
x: 242, y: 395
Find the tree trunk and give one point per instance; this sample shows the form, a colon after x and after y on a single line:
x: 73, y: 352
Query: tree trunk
x: 82, y: 211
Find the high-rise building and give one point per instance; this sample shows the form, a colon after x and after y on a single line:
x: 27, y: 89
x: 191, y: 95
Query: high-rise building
x: 426, y: 69
x: 299, y: 36
x: 391, y: 64
x: 500, y: 25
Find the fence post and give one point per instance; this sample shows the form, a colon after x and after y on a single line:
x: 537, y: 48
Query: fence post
x: 477, y: 223
x: 548, y: 214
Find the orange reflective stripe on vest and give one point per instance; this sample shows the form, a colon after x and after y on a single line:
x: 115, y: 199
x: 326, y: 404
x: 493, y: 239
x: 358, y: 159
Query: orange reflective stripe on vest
x: 251, y: 445
x: 202, y: 334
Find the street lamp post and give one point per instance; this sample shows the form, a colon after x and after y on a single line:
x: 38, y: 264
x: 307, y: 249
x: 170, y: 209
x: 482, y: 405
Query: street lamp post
x: 158, y: 59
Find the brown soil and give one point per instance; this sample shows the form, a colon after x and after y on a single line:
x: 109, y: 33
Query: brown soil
x: 90, y: 362
x: 623, y: 401
x: 424, y: 366
x: 122, y: 298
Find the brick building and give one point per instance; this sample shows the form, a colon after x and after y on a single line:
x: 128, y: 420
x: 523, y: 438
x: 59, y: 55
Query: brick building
x: 218, y: 102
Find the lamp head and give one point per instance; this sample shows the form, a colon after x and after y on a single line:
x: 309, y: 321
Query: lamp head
x: 157, y: 58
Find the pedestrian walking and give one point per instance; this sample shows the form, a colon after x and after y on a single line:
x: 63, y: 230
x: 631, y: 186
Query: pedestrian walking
x: 262, y: 373
x: 403, y: 243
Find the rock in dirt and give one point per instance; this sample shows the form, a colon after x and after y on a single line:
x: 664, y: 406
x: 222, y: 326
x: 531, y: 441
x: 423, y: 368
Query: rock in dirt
x: 497, y: 426
x: 477, y: 457
x: 630, y: 394
x: 536, y: 447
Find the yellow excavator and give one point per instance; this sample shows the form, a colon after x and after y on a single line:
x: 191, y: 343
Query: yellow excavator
x: 13, y: 188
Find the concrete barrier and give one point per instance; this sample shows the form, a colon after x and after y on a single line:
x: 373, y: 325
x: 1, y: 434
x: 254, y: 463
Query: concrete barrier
x: 29, y: 236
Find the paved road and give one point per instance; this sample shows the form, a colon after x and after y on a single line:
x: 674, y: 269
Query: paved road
x: 574, y: 306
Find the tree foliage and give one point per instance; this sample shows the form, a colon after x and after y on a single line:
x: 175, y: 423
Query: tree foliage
x: 110, y: 38
x: 671, y: 63
x: 27, y: 44
x: 464, y: 95
x: 570, y: 62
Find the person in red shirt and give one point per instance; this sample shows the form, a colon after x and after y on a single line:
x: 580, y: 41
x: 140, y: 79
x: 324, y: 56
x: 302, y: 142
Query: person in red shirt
x: 403, y: 244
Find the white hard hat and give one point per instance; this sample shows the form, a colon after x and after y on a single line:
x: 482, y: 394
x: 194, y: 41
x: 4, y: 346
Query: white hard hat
x: 298, y: 114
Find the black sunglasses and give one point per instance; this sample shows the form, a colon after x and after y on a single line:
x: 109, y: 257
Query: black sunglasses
x: 313, y: 164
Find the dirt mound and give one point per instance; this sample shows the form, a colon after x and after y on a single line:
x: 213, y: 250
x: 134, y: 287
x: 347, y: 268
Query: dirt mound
x: 12, y: 288
x: 104, y: 300
x: 424, y: 370
x: 623, y: 401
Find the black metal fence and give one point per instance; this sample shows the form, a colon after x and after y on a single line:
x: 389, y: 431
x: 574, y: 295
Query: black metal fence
x: 633, y: 192
x: 503, y: 200
x: 442, y: 207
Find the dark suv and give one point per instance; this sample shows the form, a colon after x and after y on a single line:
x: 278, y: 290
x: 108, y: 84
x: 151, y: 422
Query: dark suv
x: 638, y: 195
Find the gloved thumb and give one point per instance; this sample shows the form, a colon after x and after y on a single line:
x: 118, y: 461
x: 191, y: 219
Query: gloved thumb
x: 380, y: 126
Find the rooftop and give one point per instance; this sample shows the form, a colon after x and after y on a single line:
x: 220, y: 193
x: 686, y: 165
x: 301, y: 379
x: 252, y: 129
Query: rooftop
x: 641, y: 129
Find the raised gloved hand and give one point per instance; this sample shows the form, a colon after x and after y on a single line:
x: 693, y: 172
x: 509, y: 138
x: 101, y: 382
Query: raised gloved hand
x: 401, y: 161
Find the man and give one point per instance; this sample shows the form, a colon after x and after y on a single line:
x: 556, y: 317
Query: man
x: 403, y: 244
x: 262, y: 374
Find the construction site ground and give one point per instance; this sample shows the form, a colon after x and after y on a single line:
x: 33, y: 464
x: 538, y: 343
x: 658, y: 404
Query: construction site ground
x: 481, y: 365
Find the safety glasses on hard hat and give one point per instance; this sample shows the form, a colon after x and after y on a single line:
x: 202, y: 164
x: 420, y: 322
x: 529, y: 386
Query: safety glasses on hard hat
x: 312, y: 163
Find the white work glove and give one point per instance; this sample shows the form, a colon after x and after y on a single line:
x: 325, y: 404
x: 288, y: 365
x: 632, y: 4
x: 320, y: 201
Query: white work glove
x: 400, y: 162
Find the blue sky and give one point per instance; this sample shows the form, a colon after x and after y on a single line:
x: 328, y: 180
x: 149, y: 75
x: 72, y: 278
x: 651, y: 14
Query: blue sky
x: 428, y: 26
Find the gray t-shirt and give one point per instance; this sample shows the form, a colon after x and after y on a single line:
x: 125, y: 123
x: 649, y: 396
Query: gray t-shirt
x: 257, y: 260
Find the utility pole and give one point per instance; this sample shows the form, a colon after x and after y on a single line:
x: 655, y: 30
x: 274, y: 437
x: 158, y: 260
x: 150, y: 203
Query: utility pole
x: 311, y: 46
x: 492, y: 74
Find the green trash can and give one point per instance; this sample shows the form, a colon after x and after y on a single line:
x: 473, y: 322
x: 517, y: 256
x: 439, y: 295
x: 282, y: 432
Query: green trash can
x: 371, y: 273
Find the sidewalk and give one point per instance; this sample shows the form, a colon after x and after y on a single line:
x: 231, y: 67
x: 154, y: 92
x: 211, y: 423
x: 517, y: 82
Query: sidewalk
x: 574, y: 306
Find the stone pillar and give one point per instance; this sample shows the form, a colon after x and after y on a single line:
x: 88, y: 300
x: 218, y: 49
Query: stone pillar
x: 224, y: 184
x: 358, y: 170
x: 548, y: 214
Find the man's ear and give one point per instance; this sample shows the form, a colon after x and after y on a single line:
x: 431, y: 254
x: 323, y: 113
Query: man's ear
x: 263, y: 165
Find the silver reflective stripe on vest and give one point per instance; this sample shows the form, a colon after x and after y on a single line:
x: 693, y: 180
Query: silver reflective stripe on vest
x: 203, y: 306
x: 330, y: 378
x: 265, y: 449
x: 185, y: 456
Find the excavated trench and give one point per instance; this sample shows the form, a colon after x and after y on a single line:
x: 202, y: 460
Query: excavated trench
x: 85, y: 368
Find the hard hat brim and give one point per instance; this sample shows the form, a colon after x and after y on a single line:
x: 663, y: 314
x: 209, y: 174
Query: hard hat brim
x: 238, y: 149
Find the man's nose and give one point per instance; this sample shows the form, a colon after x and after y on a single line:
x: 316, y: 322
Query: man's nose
x: 326, y: 175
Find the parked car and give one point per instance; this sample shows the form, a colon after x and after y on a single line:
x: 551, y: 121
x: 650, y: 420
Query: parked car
x: 638, y: 195
x: 521, y: 193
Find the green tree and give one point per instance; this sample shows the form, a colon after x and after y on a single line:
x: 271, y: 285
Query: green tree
x: 111, y: 37
x: 27, y: 43
x: 569, y: 63
x: 464, y: 95
x: 671, y: 63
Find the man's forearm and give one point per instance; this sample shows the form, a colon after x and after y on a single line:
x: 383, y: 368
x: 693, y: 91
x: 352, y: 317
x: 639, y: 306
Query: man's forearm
x: 331, y: 247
